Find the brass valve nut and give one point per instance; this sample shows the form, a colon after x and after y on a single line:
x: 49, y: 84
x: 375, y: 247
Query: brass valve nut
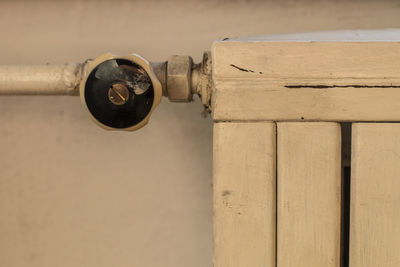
x: 179, y: 75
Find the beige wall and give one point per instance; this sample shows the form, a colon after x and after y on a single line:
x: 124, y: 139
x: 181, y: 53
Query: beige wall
x: 72, y: 194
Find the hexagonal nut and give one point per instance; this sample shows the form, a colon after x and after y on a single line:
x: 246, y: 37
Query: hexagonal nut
x: 179, y: 75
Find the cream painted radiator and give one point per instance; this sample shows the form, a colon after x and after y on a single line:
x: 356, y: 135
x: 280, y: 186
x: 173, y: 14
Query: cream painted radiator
x: 306, y: 152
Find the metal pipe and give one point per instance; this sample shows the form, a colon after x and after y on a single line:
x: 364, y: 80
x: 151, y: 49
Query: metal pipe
x: 41, y: 80
x: 185, y: 79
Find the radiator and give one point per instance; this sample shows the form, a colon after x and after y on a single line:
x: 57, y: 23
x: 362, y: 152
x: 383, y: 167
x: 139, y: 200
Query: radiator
x: 307, y: 151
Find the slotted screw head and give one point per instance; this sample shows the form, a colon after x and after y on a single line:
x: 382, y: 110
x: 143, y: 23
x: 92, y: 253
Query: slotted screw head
x: 118, y: 94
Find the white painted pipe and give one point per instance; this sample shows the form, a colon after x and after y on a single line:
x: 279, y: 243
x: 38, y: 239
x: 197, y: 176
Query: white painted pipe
x: 41, y: 80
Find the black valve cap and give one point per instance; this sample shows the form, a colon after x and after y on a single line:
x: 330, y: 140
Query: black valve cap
x: 119, y: 93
